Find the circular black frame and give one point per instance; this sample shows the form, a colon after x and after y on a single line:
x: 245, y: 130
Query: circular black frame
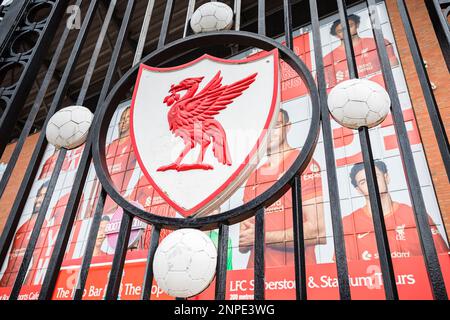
x: 160, y: 56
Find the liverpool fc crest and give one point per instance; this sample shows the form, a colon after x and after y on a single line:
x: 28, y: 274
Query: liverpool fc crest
x: 199, y: 129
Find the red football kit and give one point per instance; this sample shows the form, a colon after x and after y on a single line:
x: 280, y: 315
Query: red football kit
x: 367, y: 61
x: 70, y: 162
x: 278, y: 216
x: 42, y: 251
x: 360, y: 241
x: 46, y: 241
x: 17, y: 252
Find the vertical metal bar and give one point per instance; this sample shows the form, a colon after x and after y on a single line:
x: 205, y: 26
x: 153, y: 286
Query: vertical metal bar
x: 237, y: 15
x: 148, y: 279
x: 382, y: 240
x: 165, y: 25
x: 259, y: 271
x: 426, y: 238
x: 115, y: 276
x: 299, y: 241
x: 351, y: 61
x: 87, y: 257
x: 440, y: 25
x: 333, y: 189
x: 189, y: 13
x: 83, y: 167
x: 221, y: 268
x: 384, y: 252
x: 262, y: 17
x: 288, y: 24
x: 433, y: 110
x: 297, y: 210
x: 144, y: 30
x: 20, y: 278
x: 96, y: 52
x: 34, y: 110
x: 30, y: 173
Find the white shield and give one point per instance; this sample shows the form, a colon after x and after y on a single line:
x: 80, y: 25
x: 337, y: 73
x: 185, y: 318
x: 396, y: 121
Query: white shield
x: 223, y: 109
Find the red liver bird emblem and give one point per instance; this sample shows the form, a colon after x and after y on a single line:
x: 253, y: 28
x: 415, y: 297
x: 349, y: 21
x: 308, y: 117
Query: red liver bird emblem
x: 191, y: 117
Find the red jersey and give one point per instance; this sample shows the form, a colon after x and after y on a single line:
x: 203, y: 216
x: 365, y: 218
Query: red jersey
x: 360, y: 241
x: 46, y: 242
x: 367, y: 62
x: 70, y: 162
x: 21, y: 239
x: 278, y: 216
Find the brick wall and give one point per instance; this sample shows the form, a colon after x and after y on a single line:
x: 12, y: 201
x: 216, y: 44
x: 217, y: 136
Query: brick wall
x: 438, y: 74
x: 8, y: 197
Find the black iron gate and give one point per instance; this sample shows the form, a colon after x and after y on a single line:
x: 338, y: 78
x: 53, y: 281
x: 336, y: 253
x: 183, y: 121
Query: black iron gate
x: 166, y: 53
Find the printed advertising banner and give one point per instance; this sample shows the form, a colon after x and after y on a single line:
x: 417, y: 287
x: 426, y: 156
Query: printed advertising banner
x: 283, y: 147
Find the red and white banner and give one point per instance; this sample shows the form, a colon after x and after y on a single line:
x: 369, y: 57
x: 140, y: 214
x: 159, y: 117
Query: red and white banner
x: 365, y: 280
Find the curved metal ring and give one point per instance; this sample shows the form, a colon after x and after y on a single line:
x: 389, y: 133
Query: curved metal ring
x: 245, y: 211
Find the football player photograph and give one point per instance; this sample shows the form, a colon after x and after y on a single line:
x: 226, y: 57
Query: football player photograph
x: 366, y: 56
x: 21, y: 239
x: 278, y: 217
x: 101, y: 245
x: 360, y: 241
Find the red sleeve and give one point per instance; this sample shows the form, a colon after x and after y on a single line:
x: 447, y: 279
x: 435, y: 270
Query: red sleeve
x: 19, y: 239
x: 60, y: 208
x: 329, y: 68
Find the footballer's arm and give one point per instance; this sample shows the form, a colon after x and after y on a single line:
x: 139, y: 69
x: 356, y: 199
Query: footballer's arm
x: 313, y: 225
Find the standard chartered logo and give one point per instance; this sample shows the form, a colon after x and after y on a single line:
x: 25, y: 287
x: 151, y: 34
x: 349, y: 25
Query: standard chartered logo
x: 366, y: 256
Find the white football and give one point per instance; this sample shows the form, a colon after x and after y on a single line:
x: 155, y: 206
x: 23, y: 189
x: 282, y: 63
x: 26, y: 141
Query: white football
x: 185, y: 263
x: 68, y: 128
x: 212, y: 16
x: 359, y: 102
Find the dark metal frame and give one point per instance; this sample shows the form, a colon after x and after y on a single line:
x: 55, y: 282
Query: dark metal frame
x: 34, y: 110
x: 18, y: 92
x: 31, y: 171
